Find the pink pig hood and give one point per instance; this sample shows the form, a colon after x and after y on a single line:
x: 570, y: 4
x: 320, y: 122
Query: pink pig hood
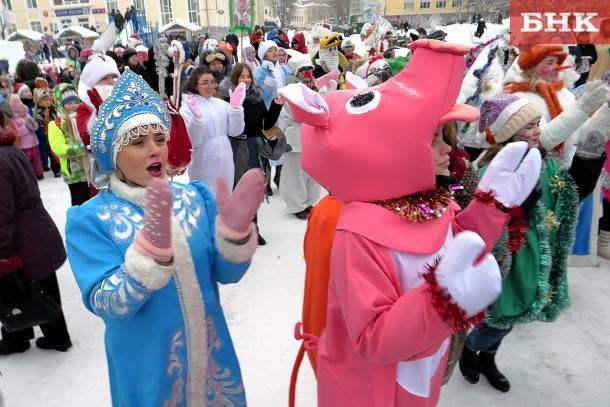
x: 370, y: 144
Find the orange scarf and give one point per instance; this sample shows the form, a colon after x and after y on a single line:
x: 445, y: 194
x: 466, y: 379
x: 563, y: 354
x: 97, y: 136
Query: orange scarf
x: 548, y: 91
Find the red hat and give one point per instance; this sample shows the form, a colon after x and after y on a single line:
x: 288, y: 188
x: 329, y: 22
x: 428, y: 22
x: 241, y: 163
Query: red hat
x: 533, y: 55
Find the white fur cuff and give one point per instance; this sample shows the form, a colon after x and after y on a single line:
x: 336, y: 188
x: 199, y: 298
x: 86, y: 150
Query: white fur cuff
x: 237, y: 253
x: 146, y: 270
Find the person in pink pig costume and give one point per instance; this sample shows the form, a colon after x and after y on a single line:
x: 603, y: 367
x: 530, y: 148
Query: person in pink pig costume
x: 405, y: 271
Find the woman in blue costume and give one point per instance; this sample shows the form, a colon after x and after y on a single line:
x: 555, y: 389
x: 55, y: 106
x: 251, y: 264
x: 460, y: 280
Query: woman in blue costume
x: 148, y: 256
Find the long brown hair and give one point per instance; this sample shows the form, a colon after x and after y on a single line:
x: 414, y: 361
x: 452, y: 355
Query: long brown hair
x: 491, y: 152
x: 236, y: 72
x: 190, y: 86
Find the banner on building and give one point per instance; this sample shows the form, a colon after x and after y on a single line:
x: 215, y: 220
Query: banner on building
x: 241, y: 15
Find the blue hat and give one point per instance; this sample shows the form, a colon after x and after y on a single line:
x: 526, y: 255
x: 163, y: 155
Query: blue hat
x: 132, y: 104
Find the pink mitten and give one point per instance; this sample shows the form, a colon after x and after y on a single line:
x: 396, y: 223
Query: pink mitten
x: 155, y: 238
x: 238, y: 96
x: 236, y: 211
x: 192, y: 103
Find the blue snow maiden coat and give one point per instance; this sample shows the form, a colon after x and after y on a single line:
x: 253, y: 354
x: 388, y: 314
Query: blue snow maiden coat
x: 167, y: 341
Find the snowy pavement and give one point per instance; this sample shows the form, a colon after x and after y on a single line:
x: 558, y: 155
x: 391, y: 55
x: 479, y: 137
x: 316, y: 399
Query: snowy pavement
x: 563, y: 364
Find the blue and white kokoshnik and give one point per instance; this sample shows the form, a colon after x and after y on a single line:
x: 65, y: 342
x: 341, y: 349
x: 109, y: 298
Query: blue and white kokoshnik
x: 132, y: 103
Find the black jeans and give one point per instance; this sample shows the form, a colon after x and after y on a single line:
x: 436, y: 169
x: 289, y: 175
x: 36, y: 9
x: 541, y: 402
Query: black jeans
x: 55, y: 331
x: 79, y: 192
x: 604, y: 221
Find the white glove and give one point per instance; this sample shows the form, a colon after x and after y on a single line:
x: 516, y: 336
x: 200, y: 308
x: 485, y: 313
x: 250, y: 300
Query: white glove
x: 511, y: 178
x: 268, y: 65
x: 472, y: 287
x: 595, y: 95
x: 332, y: 85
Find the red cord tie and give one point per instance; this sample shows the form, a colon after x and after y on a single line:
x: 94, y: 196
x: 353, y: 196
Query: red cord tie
x: 310, y: 342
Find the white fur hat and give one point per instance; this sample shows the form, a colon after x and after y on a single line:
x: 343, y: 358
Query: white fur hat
x: 97, y: 67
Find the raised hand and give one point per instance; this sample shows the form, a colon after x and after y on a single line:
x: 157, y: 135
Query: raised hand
x: 510, y: 176
x: 237, y: 210
x: 193, y: 106
x: 237, y: 97
x: 155, y: 238
x: 472, y: 287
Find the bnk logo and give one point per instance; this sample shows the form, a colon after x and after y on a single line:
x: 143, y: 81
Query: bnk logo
x: 559, y: 22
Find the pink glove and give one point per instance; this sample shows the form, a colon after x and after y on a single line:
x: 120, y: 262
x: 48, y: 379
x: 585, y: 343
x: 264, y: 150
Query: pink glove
x: 237, y: 210
x: 155, y: 238
x: 238, y: 96
x: 192, y: 103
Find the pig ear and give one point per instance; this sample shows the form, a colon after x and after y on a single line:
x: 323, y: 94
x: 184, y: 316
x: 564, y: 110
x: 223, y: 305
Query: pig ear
x: 354, y: 81
x: 331, y: 76
x: 307, y: 106
x: 460, y: 112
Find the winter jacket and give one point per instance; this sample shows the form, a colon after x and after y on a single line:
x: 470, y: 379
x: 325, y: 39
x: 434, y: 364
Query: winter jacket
x: 27, y: 232
x: 291, y: 129
x: 26, y: 130
x: 300, y: 39
x: 256, y: 116
x: 209, y: 134
x: 271, y: 80
x: 70, y: 150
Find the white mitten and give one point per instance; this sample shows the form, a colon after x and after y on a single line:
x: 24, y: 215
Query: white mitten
x: 595, y: 95
x: 472, y: 287
x: 267, y: 65
x: 510, y: 176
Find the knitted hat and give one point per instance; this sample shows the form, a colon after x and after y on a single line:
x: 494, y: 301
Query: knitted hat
x: 347, y: 43
x: 20, y: 88
x: 533, y: 55
x: 68, y: 96
x: 503, y: 115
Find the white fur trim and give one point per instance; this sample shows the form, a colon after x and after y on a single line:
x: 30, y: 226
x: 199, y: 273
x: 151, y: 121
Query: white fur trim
x: 508, y: 111
x: 237, y: 253
x: 135, y: 195
x: 146, y: 271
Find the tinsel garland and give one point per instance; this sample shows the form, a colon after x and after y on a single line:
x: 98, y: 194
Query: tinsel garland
x: 554, y: 245
x: 421, y: 206
x: 561, y: 238
x: 444, y: 304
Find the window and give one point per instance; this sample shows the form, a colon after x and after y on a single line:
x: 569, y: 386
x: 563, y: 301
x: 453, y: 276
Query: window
x: 32, y: 4
x: 83, y: 21
x: 65, y: 23
x: 441, y: 4
x: 112, y: 5
x: 456, y: 3
x: 424, y: 4
x: 70, y: 2
x: 7, y: 5
x: 194, y: 11
x: 408, y: 4
x: 166, y: 11
x: 139, y: 6
x: 36, y: 26
x: 10, y: 28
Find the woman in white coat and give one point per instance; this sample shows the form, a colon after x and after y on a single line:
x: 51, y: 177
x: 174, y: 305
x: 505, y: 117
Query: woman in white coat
x: 210, y: 122
x: 565, y: 120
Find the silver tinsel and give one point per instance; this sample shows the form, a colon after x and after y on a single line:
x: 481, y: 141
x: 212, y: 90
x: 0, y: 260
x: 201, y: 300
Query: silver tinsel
x: 161, y: 62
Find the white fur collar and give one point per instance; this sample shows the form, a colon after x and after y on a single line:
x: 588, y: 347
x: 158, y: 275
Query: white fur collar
x: 135, y: 195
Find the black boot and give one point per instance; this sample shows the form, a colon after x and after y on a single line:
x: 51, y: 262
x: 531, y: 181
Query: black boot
x: 269, y: 190
x: 8, y: 347
x: 469, y: 365
x: 487, y: 366
x: 278, y: 175
x: 302, y: 214
x: 45, y: 343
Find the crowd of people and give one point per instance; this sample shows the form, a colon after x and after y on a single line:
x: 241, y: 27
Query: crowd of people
x: 518, y: 138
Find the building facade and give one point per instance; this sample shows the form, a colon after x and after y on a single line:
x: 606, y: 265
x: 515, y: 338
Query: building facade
x: 53, y: 15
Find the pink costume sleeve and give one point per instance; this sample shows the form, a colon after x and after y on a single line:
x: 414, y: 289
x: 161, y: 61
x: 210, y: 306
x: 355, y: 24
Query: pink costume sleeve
x: 483, y: 218
x: 383, y: 325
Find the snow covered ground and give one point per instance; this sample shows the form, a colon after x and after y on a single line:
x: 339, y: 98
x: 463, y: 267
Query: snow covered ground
x: 564, y: 364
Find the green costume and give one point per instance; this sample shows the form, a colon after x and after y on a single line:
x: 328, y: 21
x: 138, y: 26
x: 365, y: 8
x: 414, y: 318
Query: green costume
x: 535, y: 285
